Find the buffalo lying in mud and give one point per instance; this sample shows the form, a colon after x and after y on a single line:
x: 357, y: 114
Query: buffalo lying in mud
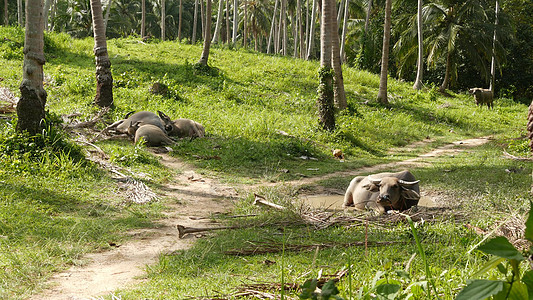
x: 383, y: 191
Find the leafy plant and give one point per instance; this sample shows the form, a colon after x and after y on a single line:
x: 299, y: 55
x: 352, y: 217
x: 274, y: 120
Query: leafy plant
x: 328, y: 291
x: 517, y: 284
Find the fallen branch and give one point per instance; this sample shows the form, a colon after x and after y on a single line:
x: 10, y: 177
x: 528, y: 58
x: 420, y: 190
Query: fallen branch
x: 182, y: 230
x: 513, y: 157
x: 92, y: 122
x: 264, y: 247
x: 261, y: 200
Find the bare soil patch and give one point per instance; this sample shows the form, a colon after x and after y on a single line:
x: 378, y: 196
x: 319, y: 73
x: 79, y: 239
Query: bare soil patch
x: 191, y: 199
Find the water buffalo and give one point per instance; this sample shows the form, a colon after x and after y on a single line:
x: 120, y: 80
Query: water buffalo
x: 180, y: 127
x: 146, y: 117
x: 482, y: 96
x: 383, y: 191
x: 186, y: 128
x: 152, y: 135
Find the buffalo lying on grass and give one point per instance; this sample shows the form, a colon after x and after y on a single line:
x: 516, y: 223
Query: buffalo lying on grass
x: 383, y: 191
x: 161, y: 127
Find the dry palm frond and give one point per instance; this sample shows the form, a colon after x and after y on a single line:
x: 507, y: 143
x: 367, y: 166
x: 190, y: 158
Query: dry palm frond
x: 8, y: 101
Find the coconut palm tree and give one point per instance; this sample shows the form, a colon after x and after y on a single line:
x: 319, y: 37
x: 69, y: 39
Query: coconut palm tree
x: 219, y: 21
x: 453, y: 26
x: 143, y: 18
x: 494, y: 40
x: 326, y: 110
x: 207, y: 40
x: 257, y: 20
x: 382, y: 93
x: 6, y: 15
x: 339, y: 95
x: 30, y: 108
x: 104, y: 79
x: 420, y: 60
x: 530, y: 126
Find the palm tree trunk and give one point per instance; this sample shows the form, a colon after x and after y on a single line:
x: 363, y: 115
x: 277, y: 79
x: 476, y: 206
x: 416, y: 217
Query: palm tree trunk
x: 338, y: 83
x: 45, y: 14
x: 279, y: 32
x: 285, y: 29
x: 530, y: 126
x: 207, y: 41
x: 30, y: 108
x: 306, y: 43
x: 52, y: 14
x: 326, y: 110
x: 20, y: 13
x: 344, y: 30
x: 245, y: 25
x: 219, y: 21
x: 446, y: 80
x: 301, y: 29
x: 107, y: 11
x: 272, y: 26
x: 202, y: 18
x: 180, y: 16
x: 294, y: 25
x: 494, y: 40
x: 382, y: 93
x: 312, y: 30
x: 340, y: 12
x: 163, y: 19
x: 227, y: 22
x: 6, y: 15
x: 420, y: 60
x: 235, y: 20
x: 143, y: 18
x: 367, y: 18
x: 104, y: 78
x: 194, y: 22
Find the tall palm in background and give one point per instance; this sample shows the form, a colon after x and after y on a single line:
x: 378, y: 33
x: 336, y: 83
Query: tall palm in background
x: 258, y: 20
x: 30, y: 108
x: 326, y: 110
x: 454, y: 25
x: 104, y: 78
x: 382, y: 93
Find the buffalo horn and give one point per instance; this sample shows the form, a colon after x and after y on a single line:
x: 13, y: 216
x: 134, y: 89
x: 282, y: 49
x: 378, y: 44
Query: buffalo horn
x: 374, y: 180
x: 407, y: 182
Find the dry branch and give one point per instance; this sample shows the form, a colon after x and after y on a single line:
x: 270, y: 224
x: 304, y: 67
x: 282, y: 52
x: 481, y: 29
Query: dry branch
x: 261, y: 200
x: 90, y: 123
x: 270, y: 246
x: 182, y: 230
x: 513, y: 157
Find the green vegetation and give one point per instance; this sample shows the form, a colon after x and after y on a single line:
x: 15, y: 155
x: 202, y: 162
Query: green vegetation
x: 57, y: 206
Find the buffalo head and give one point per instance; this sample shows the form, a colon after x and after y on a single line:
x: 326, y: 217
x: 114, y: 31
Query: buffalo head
x: 393, y: 192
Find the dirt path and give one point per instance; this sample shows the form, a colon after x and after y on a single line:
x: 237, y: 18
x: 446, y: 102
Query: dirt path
x: 191, y: 196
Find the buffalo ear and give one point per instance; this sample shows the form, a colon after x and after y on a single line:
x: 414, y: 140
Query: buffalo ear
x: 163, y: 116
x: 409, y: 194
x: 371, y: 187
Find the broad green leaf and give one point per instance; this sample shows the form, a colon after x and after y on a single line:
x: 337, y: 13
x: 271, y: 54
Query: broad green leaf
x: 480, y: 289
x: 389, y: 291
x: 501, y: 247
x: 502, y: 295
x: 529, y: 223
x: 527, y: 279
x: 491, y: 264
x: 308, y: 290
x: 518, y: 291
x: 329, y: 290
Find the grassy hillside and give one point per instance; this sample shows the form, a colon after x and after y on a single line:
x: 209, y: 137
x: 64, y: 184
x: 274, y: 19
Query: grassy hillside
x: 56, y: 206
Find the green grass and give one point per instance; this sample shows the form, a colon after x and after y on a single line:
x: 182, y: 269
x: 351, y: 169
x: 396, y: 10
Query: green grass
x: 56, y: 206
